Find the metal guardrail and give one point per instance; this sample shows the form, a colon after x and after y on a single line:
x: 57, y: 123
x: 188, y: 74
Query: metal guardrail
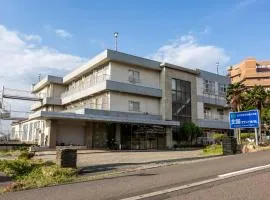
x: 19, y: 94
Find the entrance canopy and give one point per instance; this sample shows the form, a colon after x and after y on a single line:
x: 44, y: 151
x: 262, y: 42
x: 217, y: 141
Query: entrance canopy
x: 102, y: 118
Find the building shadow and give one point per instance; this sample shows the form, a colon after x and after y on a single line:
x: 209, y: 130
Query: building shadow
x: 113, y: 166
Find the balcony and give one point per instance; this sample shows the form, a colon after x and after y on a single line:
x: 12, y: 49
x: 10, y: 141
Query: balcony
x: 216, y: 117
x: 47, y: 101
x: 214, y: 121
x: 104, y: 83
x: 84, y: 85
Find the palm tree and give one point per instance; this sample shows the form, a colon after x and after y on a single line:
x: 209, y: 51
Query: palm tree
x: 257, y: 98
x: 235, y: 98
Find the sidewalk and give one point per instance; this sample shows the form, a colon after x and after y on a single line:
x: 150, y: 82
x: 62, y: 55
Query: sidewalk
x: 100, y: 161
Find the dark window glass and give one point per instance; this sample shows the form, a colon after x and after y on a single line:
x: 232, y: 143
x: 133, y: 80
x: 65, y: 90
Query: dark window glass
x: 181, y: 100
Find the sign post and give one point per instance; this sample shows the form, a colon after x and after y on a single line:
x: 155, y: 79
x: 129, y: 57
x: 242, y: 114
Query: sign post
x: 245, y: 119
x: 256, y: 136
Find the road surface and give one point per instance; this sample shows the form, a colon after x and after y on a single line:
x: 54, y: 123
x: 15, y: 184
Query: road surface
x: 158, y: 179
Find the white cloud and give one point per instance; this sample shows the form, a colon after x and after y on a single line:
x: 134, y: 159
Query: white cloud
x: 206, y: 30
x: 187, y: 52
x: 22, y: 59
x: 63, y: 33
x: 19, y: 55
x: 245, y: 3
x: 32, y: 38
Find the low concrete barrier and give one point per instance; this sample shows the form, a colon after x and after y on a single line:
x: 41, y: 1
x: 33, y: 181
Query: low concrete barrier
x: 229, y: 145
x: 66, y: 158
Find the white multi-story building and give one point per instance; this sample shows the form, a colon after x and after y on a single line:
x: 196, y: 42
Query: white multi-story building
x: 115, y: 99
x: 213, y: 110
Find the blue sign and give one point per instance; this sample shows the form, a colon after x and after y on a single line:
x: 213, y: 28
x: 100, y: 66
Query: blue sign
x: 244, y: 119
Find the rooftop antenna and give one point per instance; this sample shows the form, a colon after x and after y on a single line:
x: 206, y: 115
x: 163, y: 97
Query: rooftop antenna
x: 217, y: 64
x: 116, y: 37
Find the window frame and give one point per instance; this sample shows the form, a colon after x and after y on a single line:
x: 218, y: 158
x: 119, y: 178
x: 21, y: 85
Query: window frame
x: 132, y: 106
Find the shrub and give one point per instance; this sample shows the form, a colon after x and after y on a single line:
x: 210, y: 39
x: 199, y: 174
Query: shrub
x: 244, y: 136
x: 36, y: 173
x: 215, y: 149
x: 218, y: 137
x: 26, y: 155
x: 16, y: 168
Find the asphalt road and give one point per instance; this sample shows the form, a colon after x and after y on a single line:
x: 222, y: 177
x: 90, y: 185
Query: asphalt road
x: 148, y: 180
x: 254, y: 186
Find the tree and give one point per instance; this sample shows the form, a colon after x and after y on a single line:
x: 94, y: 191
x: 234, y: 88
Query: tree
x: 235, y: 97
x: 188, y: 132
x: 256, y: 98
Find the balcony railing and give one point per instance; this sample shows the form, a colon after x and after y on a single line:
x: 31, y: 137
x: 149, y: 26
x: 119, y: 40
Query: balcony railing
x: 213, y: 92
x: 216, y: 117
x: 86, y: 84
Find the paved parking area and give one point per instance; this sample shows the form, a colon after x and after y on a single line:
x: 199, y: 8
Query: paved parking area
x: 98, y: 158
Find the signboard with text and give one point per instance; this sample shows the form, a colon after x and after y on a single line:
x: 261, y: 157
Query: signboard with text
x: 244, y: 119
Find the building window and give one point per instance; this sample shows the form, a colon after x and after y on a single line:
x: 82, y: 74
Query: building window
x: 222, y: 89
x: 208, y: 87
x: 220, y: 113
x: 207, y: 112
x: 133, y: 76
x: 25, y: 132
x: 30, y: 132
x: 181, y: 100
x: 134, y: 106
x: 13, y: 132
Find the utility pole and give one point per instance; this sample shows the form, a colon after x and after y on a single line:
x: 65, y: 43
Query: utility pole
x: 217, y: 64
x: 116, y: 37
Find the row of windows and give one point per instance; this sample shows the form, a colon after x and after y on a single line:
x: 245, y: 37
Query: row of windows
x: 209, y: 87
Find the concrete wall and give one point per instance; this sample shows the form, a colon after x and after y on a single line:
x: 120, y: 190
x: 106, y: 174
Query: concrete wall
x: 100, y: 101
x: 119, y: 102
x: 246, y: 72
x: 70, y: 132
x: 120, y: 72
x: 34, y: 129
x: 57, y: 90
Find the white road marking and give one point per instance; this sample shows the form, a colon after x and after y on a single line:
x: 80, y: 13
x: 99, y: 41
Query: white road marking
x: 218, y: 178
x: 244, y: 171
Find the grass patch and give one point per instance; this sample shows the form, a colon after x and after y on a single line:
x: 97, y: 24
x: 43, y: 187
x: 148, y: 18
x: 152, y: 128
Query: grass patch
x: 215, y: 149
x: 35, y: 173
x: 9, y: 153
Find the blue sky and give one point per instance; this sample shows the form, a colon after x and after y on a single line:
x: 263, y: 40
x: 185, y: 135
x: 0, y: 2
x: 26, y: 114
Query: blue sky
x: 54, y: 37
x: 238, y: 27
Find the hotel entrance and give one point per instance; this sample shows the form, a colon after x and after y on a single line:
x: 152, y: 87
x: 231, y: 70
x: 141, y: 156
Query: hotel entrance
x: 142, y: 137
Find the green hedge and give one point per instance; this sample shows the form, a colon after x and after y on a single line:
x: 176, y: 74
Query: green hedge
x: 218, y: 137
x: 247, y: 135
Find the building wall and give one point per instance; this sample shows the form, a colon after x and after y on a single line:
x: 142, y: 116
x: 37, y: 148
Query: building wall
x: 57, y: 90
x: 166, y: 84
x: 70, y: 132
x: 120, y: 72
x: 29, y: 131
x: 99, y: 101
x: 213, y: 99
x: 120, y: 102
x: 251, y: 72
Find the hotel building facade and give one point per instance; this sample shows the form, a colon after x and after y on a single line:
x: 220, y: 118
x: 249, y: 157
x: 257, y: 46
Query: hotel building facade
x: 124, y: 101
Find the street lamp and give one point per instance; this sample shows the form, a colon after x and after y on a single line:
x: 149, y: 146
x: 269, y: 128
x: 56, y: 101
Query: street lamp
x: 116, y: 36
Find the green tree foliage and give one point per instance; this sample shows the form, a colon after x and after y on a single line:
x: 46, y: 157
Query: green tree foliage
x: 235, y: 96
x: 188, y: 132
